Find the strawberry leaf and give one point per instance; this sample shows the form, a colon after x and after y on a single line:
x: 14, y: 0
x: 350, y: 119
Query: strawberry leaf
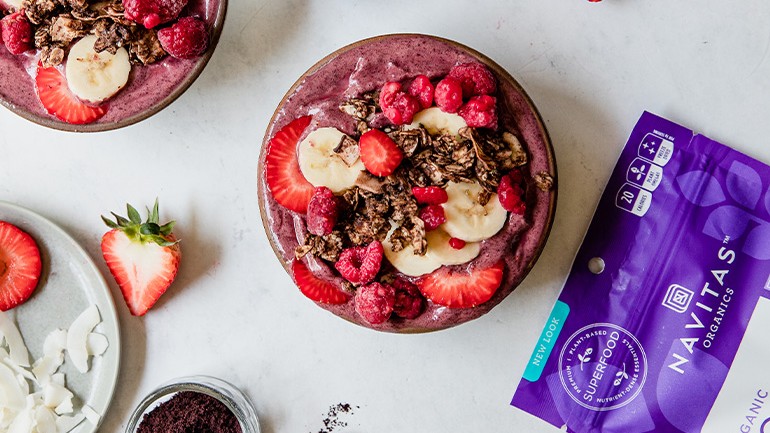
x: 133, y: 214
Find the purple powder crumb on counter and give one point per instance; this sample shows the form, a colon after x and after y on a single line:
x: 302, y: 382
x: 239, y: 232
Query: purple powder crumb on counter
x: 190, y: 412
x: 332, y: 421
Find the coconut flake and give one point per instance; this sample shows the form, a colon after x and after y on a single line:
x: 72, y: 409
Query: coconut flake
x: 16, y: 347
x: 67, y: 423
x: 55, y: 395
x: 11, y: 394
x: 97, y: 344
x: 77, y: 337
x: 91, y: 415
x: 45, y: 420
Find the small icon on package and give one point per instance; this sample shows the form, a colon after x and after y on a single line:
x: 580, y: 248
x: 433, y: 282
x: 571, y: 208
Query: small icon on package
x: 656, y: 149
x: 645, y: 174
x: 678, y: 298
x: 633, y: 199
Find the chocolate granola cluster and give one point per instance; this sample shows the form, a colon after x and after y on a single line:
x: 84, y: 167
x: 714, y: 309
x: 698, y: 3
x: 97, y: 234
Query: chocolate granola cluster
x: 57, y: 23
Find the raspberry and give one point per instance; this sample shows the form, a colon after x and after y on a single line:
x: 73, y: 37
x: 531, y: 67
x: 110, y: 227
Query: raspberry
x: 433, y: 216
x: 511, y: 194
x: 402, y: 109
x: 474, y: 78
x: 388, y: 94
x: 150, y: 13
x: 448, y: 95
x: 480, y: 112
x: 322, y: 211
x: 456, y: 243
x: 16, y: 32
x: 360, y: 265
x: 430, y: 195
x: 422, y: 89
x: 186, y: 39
x: 409, y: 301
x: 374, y: 302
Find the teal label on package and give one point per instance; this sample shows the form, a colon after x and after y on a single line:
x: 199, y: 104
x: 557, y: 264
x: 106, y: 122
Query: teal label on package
x: 546, y: 342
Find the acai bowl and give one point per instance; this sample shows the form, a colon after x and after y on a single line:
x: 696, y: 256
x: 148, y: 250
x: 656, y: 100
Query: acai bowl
x: 87, y: 66
x: 407, y: 183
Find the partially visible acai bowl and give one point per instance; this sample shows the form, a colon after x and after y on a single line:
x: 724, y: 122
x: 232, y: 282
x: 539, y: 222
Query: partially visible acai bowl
x: 99, y: 65
x: 407, y: 183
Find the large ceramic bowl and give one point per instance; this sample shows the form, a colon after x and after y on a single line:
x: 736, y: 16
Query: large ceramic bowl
x: 365, y: 66
x: 150, y: 88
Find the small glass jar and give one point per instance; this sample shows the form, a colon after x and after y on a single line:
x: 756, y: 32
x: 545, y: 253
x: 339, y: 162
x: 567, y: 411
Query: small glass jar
x: 235, y: 400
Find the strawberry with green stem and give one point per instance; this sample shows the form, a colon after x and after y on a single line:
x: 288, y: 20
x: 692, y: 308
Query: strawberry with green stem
x: 143, y: 257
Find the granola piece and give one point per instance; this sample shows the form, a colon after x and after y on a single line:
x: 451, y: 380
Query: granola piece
x: 347, y: 150
x: 369, y: 183
x: 360, y: 109
x: 110, y: 35
x: 65, y: 29
x: 544, y: 181
x: 402, y: 203
x: 42, y: 37
x: 411, y: 140
x: 364, y: 230
x: 518, y: 154
x: 362, y: 127
x: 39, y: 11
x: 51, y: 55
x: 145, y: 47
x: 328, y: 247
x: 410, y: 233
x: 75, y: 4
x: 85, y: 15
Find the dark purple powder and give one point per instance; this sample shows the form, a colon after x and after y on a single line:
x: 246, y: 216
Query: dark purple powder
x: 332, y: 421
x: 190, y: 412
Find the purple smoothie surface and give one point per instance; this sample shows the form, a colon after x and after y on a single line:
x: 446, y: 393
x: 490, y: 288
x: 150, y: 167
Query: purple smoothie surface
x: 147, y: 85
x: 367, y: 66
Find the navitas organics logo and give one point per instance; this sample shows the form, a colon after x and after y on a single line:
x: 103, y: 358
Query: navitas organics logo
x: 602, y: 367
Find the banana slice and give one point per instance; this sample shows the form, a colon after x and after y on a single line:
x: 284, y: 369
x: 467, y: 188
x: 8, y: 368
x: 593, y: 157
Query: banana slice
x: 438, y: 253
x: 95, y: 77
x: 321, y: 166
x: 466, y: 218
x: 409, y: 263
x: 438, y: 122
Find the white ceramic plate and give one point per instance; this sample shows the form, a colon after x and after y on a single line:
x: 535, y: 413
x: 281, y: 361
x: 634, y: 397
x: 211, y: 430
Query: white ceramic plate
x: 69, y: 283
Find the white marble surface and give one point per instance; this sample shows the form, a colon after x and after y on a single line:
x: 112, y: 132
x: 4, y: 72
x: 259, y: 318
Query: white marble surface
x: 233, y: 312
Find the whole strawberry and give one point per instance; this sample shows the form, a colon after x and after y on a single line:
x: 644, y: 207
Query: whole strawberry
x: 143, y: 257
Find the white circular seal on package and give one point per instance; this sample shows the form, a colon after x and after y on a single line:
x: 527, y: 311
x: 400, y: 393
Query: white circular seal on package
x: 602, y: 367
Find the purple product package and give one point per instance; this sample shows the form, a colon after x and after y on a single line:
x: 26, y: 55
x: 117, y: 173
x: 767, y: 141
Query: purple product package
x: 663, y: 324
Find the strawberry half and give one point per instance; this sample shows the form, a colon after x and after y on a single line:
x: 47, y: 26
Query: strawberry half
x: 315, y: 288
x: 462, y: 289
x: 20, y: 266
x: 284, y: 178
x: 142, y: 257
x: 59, y: 101
x: 379, y: 153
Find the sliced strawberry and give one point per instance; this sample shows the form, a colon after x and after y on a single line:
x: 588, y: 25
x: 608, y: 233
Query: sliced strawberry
x: 462, y: 289
x: 284, y: 178
x: 60, y: 102
x: 315, y: 288
x: 142, y: 257
x: 379, y: 153
x: 20, y: 266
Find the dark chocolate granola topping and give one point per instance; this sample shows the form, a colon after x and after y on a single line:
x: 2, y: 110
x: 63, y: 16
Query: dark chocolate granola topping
x: 376, y: 208
x: 58, y: 23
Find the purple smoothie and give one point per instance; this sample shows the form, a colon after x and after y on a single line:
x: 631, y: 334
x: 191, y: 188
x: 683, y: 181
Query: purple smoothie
x: 147, y: 85
x: 365, y: 66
